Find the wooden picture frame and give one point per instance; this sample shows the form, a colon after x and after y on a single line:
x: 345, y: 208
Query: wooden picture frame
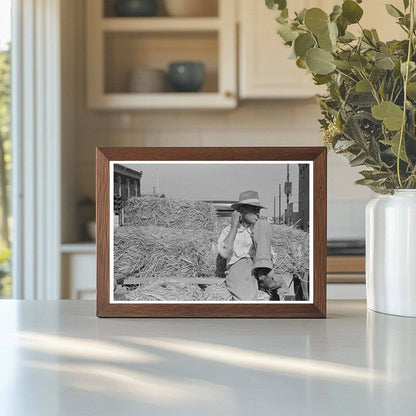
x: 315, y: 308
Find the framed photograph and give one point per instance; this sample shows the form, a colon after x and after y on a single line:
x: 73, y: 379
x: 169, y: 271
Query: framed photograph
x: 211, y: 232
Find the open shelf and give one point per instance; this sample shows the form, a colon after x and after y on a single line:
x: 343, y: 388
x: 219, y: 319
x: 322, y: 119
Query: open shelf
x: 211, y: 9
x: 127, y: 51
x: 116, y: 46
x: 160, y: 24
x: 194, y: 101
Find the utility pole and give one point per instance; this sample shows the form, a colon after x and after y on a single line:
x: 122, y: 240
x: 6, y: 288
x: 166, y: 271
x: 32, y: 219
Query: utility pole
x: 288, y: 187
x: 288, y: 192
x: 274, y: 210
x: 280, y: 203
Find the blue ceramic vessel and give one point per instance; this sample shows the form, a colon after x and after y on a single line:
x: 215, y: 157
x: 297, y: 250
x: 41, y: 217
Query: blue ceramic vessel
x: 186, y: 76
x: 136, y: 8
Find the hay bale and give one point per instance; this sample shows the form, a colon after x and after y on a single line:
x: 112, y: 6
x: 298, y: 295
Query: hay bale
x: 217, y: 292
x: 168, y: 212
x: 162, y: 290
x: 292, y: 248
x: 149, y: 252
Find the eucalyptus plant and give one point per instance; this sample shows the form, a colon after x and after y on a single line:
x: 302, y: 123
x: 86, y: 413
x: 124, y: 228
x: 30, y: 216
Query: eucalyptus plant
x: 369, y: 112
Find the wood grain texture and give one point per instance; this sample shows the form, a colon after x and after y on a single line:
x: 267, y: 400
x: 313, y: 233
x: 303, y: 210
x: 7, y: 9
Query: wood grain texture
x: 317, y: 309
x: 346, y: 264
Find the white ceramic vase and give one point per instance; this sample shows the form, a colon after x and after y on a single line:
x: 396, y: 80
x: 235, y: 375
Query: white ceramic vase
x: 391, y: 253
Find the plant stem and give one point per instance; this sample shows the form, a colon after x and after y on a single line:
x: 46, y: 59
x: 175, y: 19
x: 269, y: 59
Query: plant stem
x: 373, y: 90
x: 406, y: 79
x: 345, y: 75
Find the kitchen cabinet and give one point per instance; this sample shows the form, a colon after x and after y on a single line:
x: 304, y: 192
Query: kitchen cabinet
x: 265, y: 70
x: 78, y: 271
x: 118, y: 45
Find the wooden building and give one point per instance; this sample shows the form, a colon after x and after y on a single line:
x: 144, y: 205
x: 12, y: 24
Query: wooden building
x: 126, y: 182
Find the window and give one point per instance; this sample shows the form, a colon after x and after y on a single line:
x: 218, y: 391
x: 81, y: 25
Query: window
x: 119, y: 185
x: 5, y: 159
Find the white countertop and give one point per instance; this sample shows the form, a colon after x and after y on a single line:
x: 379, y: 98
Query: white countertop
x: 57, y: 358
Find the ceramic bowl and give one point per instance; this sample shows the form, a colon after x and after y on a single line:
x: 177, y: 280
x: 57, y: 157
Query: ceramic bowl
x: 135, y: 8
x: 186, y: 76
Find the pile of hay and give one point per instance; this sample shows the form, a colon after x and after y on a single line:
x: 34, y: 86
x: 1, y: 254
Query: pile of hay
x: 168, y: 212
x: 146, y: 252
x: 166, y: 239
x: 292, y: 248
x: 164, y: 290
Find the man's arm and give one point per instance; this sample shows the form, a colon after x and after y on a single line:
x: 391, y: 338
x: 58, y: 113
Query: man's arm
x: 225, y: 245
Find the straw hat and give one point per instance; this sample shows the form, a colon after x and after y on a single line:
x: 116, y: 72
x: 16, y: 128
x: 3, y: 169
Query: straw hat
x: 248, y: 198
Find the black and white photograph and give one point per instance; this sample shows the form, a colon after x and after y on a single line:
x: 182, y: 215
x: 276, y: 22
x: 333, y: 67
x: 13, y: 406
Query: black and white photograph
x: 211, y: 232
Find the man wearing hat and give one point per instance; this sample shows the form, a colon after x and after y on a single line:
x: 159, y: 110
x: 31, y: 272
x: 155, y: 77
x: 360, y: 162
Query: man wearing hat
x: 246, y: 244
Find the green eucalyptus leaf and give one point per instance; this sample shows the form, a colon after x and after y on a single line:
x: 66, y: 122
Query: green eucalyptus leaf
x: 391, y: 114
x: 343, y: 65
x: 336, y: 12
x: 411, y: 90
x: 363, y: 86
x: 396, y: 71
x: 316, y: 20
x: 368, y: 36
x: 412, y: 67
x: 377, y: 74
x: 321, y: 79
x: 342, y: 25
x: 385, y: 63
x: 319, y: 61
x: 276, y: 4
x: 365, y: 182
x: 374, y: 175
x: 333, y: 32
x: 286, y: 32
x: 393, y: 11
x: 351, y: 11
x: 282, y: 20
x: 394, y: 145
x: 358, y: 61
x: 406, y: 4
x: 303, y: 43
x: 374, y: 150
x: 375, y: 35
x: 325, y: 42
x: 358, y: 160
x: 343, y: 145
x: 361, y: 99
x: 300, y: 17
x: 301, y: 63
x: 347, y: 37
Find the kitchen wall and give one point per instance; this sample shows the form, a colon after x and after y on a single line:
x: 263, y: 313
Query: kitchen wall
x: 253, y: 123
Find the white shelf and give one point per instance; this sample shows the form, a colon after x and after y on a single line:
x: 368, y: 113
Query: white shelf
x: 163, y: 101
x: 159, y: 24
x: 81, y: 247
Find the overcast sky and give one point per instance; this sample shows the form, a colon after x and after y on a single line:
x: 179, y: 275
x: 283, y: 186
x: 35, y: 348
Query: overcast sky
x: 219, y: 181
